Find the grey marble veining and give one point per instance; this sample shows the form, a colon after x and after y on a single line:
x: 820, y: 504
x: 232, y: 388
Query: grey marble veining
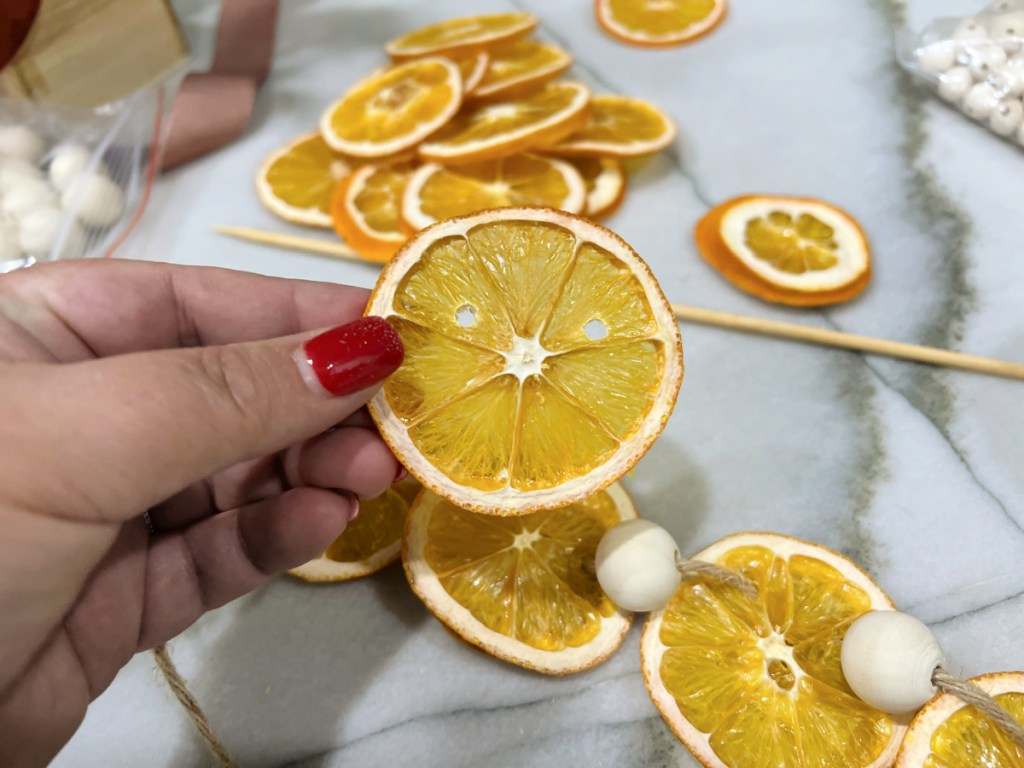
x: 916, y: 473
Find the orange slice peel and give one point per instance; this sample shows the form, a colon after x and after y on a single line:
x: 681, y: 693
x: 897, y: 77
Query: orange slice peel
x: 366, y: 210
x: 462, y: 36
x: 297, y: 181
x: 619, y: 126
x: 657, y: 23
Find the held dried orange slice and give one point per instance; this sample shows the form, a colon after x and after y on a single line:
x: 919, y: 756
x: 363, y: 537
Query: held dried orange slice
x: 472, y: 69
x: 366, y: 209
x: 620, y: 126
x: 394, y: 108
x: 521, y: 66
x: 947, y: 733
x: 659, y: 22
x: 542, y: 359
x: 370, y: 542
x: 297, y: 181
x: 436, y: 192
x: 747, y: 682
x: 522, y: 589
x: 605, y: 179
x: 789, y: 250
x: 460, y: 37
x: 502, y: 128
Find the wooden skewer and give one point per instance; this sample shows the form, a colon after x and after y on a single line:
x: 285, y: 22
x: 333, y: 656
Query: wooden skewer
x: 914, y: 352
x: 293, y: 242
x: 867, y: 344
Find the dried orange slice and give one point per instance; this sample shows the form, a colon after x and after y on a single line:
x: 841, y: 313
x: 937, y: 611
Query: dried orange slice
x: 370, y: 542
x: 502, y: 128
x: 297, y: 181
x: 747, y: 682
x: 522, y: 589
x: 436, y: 192
x: 659, y: 22
x: 394, y: 108
x: 367, y: 209
x: 789, y: 250
x: 620, y: 126
x: 542, y: 359
x: 460, y: 37
x: 472, y: 69
x: 605, y: 179
x: 947, y: 733
x: 521, y: 66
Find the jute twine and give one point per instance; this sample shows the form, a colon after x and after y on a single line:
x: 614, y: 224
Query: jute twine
x: 971, y: 694
x: 192, y: 709
x: 690, y: 569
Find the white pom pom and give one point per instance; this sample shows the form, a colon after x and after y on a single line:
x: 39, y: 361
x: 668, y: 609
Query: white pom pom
x: 980, y: 100
x: 970, y: 29
x: 41, y: 229
x: 1006, y: 117
x: 888, y: 659
x: 21, y: 142
x: 26, y: 195
x: 95, y: 199
x: 954, y: 83
x: 636, y: 565
x: 68, y: 163
x: 937, y: 57
x: 14, y: 170
x: 1008, y: 30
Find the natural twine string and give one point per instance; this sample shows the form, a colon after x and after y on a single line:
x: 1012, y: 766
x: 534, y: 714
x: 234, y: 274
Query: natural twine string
x: 971, y: 694
x: 690, y: 569
x: 192, y: 708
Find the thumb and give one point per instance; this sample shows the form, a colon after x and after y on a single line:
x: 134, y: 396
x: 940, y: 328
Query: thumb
x: 159, y: 421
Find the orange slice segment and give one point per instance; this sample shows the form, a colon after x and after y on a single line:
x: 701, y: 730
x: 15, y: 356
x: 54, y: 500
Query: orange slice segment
x: 369, y: 543
x: 522, y: 589
x: 436, y: 192
x: 788, y: 250
x: 947, y: 733
x: 605, y: 180
x: 659, y: 22
x: 746, y: 681
x: 620, y: 126
x: 460, y: 37
x: 564, y: 359
x: 521, y: 66
x: 297, y: 181
x: 472, y: 69
x: 503, y: 128
x: 394, y: 108
x: 366, y: 209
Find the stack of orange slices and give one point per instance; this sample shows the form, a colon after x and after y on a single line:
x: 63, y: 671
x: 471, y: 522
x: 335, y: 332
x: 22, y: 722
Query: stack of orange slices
x: 469, y: 115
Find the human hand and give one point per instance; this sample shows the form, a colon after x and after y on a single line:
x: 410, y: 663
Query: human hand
x: 193, y: 395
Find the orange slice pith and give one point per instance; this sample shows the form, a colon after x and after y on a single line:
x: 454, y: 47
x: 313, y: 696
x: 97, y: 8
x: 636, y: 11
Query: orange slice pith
x: 620, y: 126
x: 605, y: 180
x: 758, y: 682
x: 498, y: 129
x: 472, y: 69
x: 435, y: 192
x: 788, y: 250
x: 947, y: 733
x: 369, y: 543
x: 459, y: 37
x: 520, y: 66
x: 366, y: 210
x: 519, y: 588
x: 659, y: 22
x: 542, y: 359
x: 297, y: 181
x: 394, y: 108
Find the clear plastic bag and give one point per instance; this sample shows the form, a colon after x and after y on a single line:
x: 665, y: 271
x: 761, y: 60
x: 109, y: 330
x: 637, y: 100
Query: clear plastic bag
x: 976, y: 63
x: 74, y: 181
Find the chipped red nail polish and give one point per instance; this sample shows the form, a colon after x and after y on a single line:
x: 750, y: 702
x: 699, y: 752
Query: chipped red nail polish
x: 354, y: 356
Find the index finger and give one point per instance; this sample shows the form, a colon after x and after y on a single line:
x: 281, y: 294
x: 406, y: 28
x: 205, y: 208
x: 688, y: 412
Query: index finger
x: 116, y: 307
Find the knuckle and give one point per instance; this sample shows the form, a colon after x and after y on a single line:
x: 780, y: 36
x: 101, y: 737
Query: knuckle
x: 236, y: 381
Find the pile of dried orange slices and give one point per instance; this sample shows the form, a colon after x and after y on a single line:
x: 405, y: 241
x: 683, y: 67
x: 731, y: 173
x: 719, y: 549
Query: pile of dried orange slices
x: 469, y: 115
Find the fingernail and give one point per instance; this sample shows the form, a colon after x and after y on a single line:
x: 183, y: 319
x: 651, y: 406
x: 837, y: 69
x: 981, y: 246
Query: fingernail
x: 354, y: 356
x: 354, y: 511
x: 401, y: 474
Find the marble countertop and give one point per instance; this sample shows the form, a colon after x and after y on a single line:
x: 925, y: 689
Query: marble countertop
x: 916, y: 473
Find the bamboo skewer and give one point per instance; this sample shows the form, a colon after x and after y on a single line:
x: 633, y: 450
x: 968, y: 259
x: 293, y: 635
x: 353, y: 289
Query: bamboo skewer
x: 852, y: 341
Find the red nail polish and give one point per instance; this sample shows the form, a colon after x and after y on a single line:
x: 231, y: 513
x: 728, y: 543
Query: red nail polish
x: 354, y: 356
x: 401, y: 474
